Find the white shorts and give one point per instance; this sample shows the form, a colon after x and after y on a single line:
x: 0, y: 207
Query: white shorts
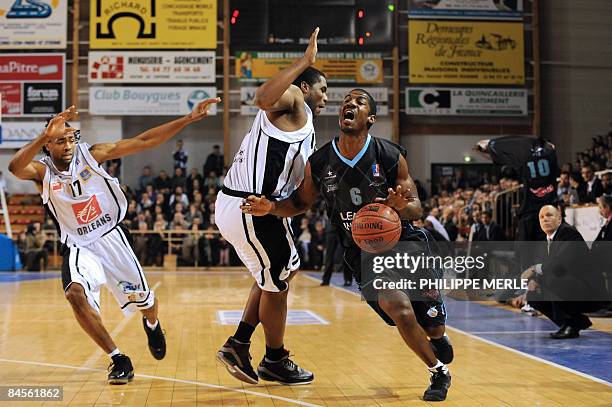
x: 263, y: 243
x: 109, y: 260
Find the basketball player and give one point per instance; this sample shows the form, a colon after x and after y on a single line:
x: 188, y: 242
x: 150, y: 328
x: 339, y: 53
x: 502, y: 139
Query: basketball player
x: 270, y: 162
x: 88, y: 206
x: 349, y: 172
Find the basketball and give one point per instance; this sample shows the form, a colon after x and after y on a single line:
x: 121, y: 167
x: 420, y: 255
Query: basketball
x: 376, y: 228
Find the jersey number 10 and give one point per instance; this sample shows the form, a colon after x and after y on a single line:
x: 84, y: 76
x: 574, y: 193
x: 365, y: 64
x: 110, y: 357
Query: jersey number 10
x: 543, y: 168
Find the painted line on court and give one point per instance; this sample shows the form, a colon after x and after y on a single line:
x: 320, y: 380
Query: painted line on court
x: 167, y: 379
x: 124, y: 321
x: 518, y: 352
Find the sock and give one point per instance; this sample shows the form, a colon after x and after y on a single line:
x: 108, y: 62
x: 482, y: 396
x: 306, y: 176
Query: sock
x: 275, y: 355
x: 150, y: 325
x: 244, y: 332
x: 114, y: 353
x: 438, y: 365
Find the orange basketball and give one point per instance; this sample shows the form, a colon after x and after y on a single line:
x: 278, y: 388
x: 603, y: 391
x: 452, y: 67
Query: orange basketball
x: 376, y: 228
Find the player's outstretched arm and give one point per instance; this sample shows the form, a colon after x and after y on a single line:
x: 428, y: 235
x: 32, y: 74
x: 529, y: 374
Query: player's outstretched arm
x: 277, y: 93
x: 404, y: 198
x: 152, y: 137
x: 299, y: 202
x: 22, y: 165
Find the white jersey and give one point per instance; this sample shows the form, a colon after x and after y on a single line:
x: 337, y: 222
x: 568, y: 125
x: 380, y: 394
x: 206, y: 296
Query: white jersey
x: 85, y: 201
x: 270, y: 161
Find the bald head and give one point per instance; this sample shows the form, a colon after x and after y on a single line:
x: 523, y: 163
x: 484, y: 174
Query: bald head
x: 550, y: 219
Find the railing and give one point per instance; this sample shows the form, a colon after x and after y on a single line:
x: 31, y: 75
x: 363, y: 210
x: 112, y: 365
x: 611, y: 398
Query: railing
x: 505, y: 210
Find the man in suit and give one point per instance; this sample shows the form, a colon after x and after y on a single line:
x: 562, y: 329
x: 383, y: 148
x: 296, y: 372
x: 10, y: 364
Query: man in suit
x: 489, y: 231
x: 565, y: 284
x: 594, y: 187
x: 605, y: 210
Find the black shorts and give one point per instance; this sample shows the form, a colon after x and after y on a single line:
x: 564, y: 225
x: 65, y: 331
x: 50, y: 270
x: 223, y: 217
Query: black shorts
x: 428, y: 307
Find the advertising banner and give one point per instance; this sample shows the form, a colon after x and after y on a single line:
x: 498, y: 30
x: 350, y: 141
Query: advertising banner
x: 146, y: 67
x: 465, y: 52
x: 467, y: 9
x: 18, y: 134
x: 466, y: 102
x: 148, y: 101
x: 33, y: 24
x: 335, y: 95
x: 147, y: 24
x: 32, y: 84
x: 338, y: 67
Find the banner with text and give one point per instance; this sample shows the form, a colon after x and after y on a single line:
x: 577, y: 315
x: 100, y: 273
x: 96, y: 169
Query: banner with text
x: 335, y: 95
x: 148, y: 101
x: 32, y: 84
x: 466, y: 52
x: 18, y: 134
x: 146, y: 67
x: 33, y: 24
x: 153, y: 24
x: 338, y: 67
x: 468, y: 9
x: 466, y: 102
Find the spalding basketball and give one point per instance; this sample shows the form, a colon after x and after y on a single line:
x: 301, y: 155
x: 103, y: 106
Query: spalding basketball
x: 376, y: 228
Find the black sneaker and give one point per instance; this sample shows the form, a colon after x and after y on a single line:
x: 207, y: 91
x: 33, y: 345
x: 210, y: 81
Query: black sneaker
x: 157, y: 340
x: 443, y: 349
x: 284, y: 371
x: 237, y: 360
x: 440, y: 382
x: 121, y: 370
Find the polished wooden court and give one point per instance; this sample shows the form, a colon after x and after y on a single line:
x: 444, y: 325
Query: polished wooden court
x: 356, y: 358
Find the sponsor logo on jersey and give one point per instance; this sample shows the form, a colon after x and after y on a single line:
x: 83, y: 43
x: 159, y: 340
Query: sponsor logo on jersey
x: 329, y: 180
x: 542, y: 191
x: 56, y: 186
x: 85, y: 174
x: 87, y: 211
x: 128, y: 287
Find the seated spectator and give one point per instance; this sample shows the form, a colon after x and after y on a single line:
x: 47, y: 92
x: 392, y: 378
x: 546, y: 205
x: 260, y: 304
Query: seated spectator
x: 193, y: 176
x: 34, y: 248
x: 317, y: 245
x: 145, y: 201
x: 212, y: 181
x: 179, y: 179
x: 132, y: 211
x: 196, y: 187
x: 564, y: 186
x: 594, y: 188
x: 449, y: 224
x: 489, y: 231
x: 162, y: 183
x: 179, y: 196
x: 145, y: 179
x: 140, y: 243
x: 606, y: 183
x: 190, y: 250
x: 156, y: 244
x: 578, y: 190
x: 192, y: 214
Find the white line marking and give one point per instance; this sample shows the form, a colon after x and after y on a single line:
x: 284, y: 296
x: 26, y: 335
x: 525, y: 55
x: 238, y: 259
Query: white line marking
x: 518, y: 352
x: 168, y: 379
x: 98, y: 353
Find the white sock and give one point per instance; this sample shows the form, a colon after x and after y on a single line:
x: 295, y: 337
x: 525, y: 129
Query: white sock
x: 152, y: 326
x: 439, y: 364
x: 114, y: 353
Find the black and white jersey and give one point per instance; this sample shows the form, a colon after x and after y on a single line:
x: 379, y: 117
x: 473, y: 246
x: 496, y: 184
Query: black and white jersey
x: 348, y: 185
x: 270, y: 161
x: 84, y: 201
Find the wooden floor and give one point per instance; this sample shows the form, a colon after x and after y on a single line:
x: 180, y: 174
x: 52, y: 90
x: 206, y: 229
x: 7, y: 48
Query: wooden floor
x: 357, y: 359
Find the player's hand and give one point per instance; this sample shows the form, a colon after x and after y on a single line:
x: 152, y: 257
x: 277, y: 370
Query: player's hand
x: 532, y: 285
x: 201, y: 110
x: 256, y: 206
x: 518, y: 302
x: 482, y: 146
x: 57, y: 125
x: 311, y: 51
x: 398, y: 198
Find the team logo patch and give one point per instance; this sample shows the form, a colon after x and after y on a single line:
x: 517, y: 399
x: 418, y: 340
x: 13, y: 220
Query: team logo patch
x: 129, y: 288
x: 85, y: 174
x: 376, y: 170
x: 432, y: 312
x: 87, y: 211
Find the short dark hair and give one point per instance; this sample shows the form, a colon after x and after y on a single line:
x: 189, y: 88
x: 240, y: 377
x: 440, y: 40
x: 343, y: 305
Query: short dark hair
x: 606, y: 199
x: 488, y: 213
x: 576, y: 176
x: 311, y: 76
x: 371, y: 100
